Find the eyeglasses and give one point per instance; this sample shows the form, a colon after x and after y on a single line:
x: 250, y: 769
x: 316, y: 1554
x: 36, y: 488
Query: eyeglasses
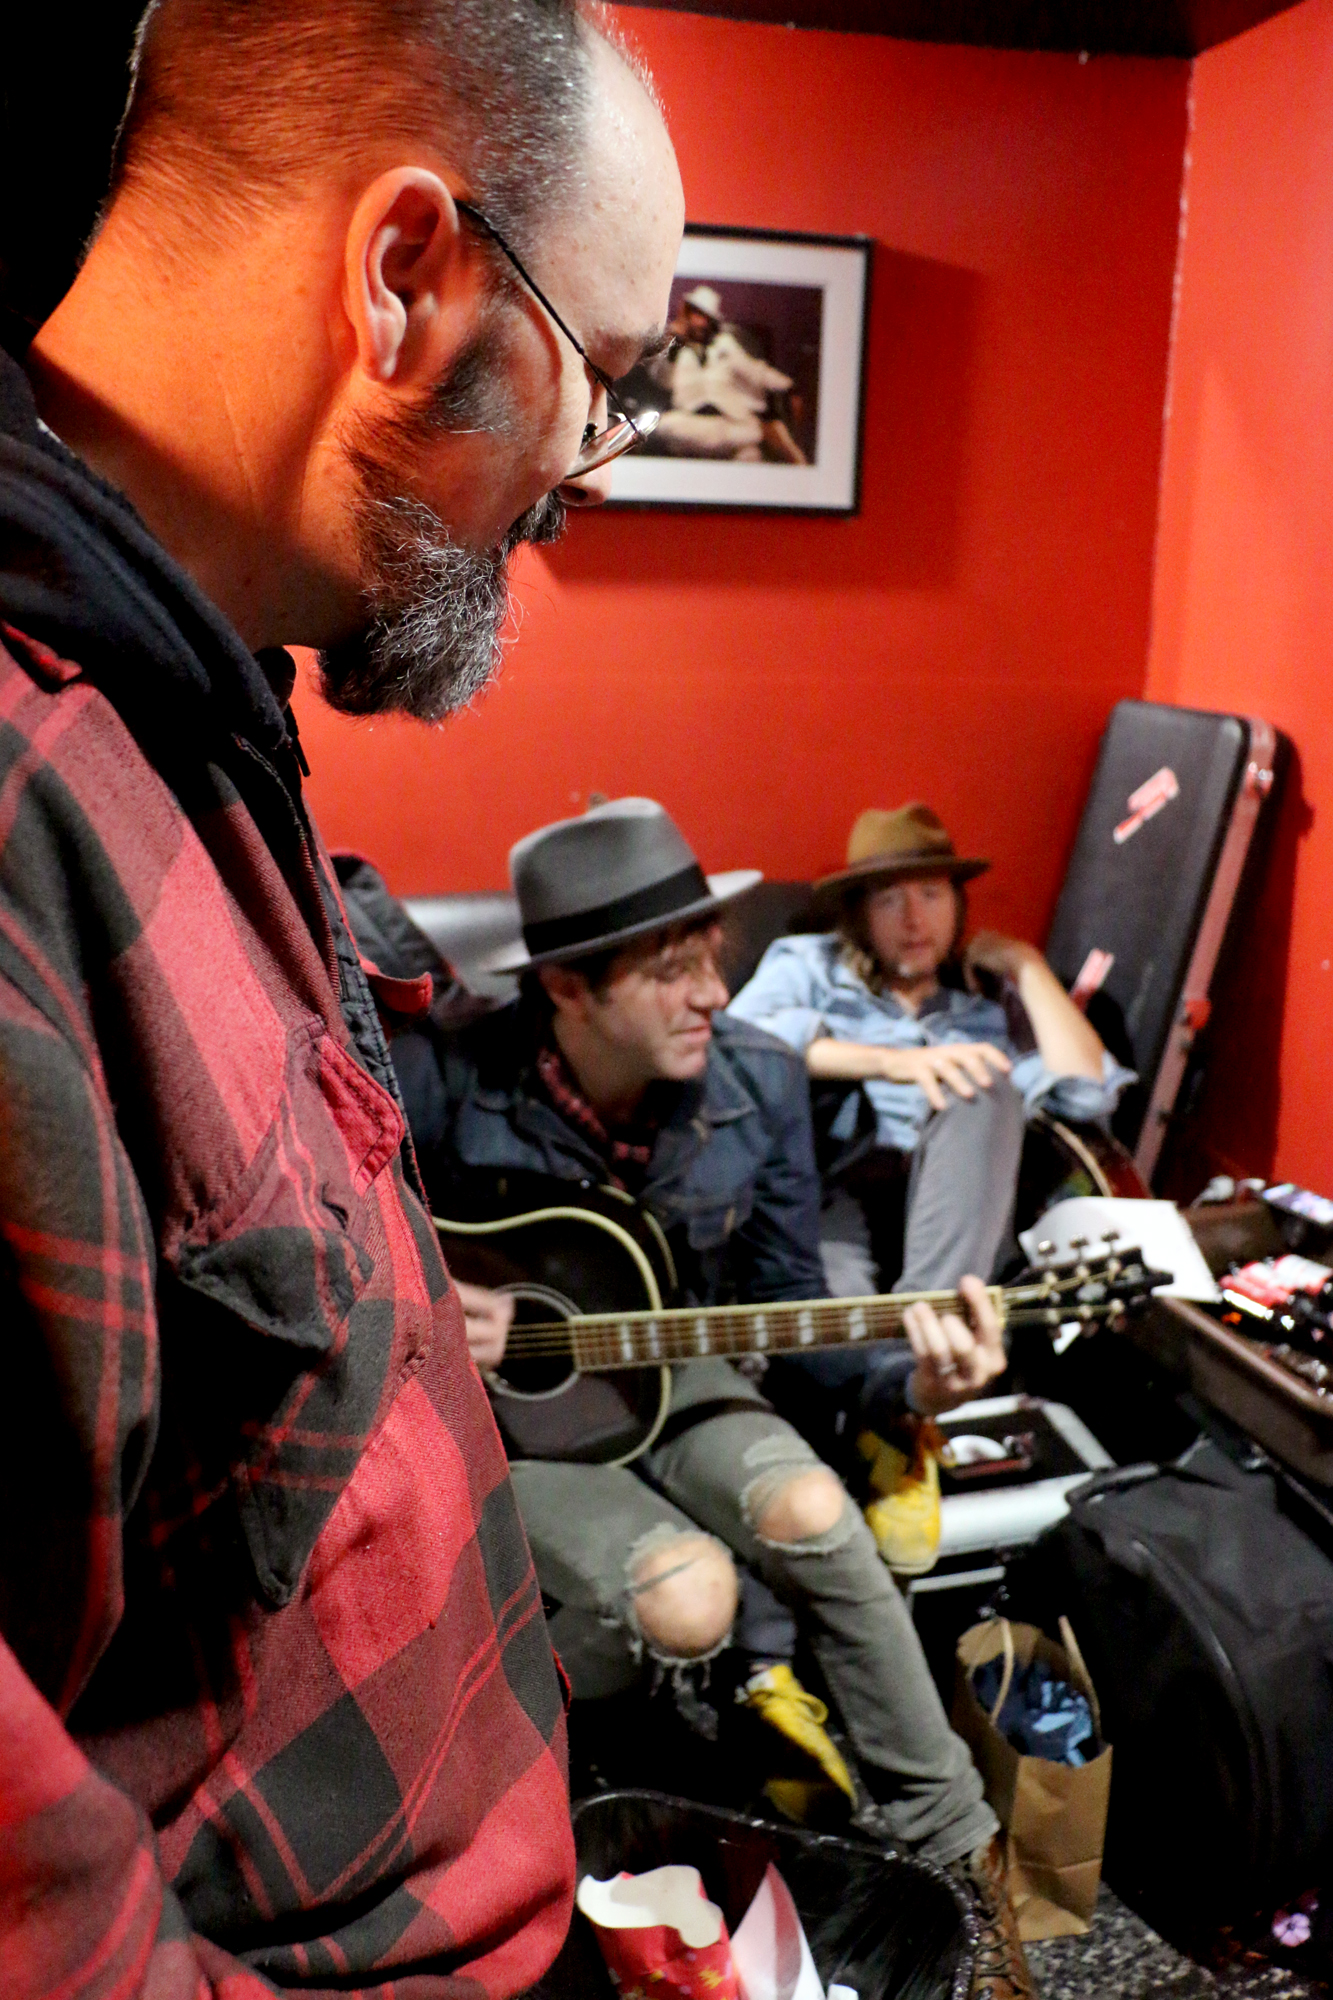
x: 625, y: 431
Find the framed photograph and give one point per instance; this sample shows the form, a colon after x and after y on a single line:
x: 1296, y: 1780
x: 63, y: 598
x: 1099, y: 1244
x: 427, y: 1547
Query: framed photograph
x: 760, y: 396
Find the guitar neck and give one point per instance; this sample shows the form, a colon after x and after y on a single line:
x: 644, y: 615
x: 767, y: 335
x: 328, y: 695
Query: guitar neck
x: 638, y: 1339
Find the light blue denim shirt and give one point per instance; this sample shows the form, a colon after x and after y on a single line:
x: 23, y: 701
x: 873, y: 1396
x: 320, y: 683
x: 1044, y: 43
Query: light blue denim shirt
x: 803, y: 990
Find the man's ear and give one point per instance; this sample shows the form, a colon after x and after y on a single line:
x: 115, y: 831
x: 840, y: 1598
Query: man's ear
x: 413, y: 293
x: 565, y: 988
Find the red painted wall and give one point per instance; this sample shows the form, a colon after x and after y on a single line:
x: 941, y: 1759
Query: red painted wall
x: 963, y: 638
x: 1243, y: 613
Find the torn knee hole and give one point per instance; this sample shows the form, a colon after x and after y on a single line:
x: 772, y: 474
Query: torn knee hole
x: 805, y: 1507
x: 683, y: 1594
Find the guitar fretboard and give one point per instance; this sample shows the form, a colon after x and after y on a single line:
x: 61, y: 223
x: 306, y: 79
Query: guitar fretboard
x: 628, y: 1340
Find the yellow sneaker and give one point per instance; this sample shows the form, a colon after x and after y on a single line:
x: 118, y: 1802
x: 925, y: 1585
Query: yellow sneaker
x: 812, y: 1802
x: 777, y: 1696
x: 905, y: 1519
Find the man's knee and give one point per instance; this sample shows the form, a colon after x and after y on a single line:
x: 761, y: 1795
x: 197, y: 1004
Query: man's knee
x: 684, y: 1592
x: 1009, y: 1105
x: 999, y: 1102
x: 991, y: 1121
x: 809, y: 1507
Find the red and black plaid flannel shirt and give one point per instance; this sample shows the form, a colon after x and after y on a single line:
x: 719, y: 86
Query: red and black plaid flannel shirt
x: 277, y: 1703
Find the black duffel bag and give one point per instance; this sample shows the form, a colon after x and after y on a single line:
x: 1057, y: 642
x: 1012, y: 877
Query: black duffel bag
x: 1205, y: 1615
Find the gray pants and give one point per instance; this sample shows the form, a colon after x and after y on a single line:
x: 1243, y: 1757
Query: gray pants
x: 589, y: 1525
x: 960, y: 1200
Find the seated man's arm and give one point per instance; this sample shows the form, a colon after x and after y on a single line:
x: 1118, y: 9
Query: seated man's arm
x: 1066, y: 1041
x: 84, y: 1909
x: 1069, y: 1072
x: 788, y: 997
x: 962, y: 1067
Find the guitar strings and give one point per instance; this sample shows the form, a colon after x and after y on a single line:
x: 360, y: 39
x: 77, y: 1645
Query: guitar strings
x: 675, y: 1325
x: 680, y: 1323
x: 604, y: 1351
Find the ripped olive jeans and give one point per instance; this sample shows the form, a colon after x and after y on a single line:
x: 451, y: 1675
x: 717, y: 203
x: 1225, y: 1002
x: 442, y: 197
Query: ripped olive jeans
x: 589, y: 1527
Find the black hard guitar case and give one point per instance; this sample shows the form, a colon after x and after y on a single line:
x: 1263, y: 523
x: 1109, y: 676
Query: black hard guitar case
x: 1151, y: 885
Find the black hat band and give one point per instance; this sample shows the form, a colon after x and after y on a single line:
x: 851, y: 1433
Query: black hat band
x: 663, y: 899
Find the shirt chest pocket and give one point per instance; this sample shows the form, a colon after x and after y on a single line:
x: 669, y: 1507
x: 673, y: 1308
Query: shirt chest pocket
x: 295, y: 1254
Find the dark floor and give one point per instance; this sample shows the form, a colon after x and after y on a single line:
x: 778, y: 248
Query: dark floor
x: 1121, y: 1959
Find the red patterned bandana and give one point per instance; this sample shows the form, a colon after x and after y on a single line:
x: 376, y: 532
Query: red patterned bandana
x: 627, y: 1149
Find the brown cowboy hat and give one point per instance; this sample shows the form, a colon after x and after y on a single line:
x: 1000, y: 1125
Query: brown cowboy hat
x: 887, y: 846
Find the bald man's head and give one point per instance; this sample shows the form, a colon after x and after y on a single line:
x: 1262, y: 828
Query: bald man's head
x: 238, y: 107
x: 346, y: 406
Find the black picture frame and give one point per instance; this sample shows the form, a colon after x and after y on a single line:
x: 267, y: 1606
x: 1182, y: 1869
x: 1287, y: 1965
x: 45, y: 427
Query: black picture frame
x: 768, y: 308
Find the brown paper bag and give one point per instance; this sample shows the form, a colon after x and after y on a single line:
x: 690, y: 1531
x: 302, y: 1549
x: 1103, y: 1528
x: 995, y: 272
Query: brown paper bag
x: 1053, y: 1815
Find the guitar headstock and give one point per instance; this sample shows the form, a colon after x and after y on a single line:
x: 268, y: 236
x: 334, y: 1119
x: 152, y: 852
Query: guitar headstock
x: 1089, y: 1288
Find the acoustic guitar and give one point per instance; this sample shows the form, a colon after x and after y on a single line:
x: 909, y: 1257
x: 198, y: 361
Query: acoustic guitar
x: 587, y: 1371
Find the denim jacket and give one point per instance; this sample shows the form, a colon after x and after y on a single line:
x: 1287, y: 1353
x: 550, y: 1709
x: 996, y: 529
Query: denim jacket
x: 732, y: 1178
x: 804, y: 989
x: 732, y: 1181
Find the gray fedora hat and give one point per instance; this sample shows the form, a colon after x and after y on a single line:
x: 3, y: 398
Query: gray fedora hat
x: 618, y: 871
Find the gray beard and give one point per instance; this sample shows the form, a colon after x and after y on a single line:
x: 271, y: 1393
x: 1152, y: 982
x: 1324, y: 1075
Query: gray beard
x: 436, y: 614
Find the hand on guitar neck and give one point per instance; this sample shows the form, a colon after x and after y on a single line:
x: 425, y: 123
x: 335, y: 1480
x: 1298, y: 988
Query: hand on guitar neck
x: 954, y: 1360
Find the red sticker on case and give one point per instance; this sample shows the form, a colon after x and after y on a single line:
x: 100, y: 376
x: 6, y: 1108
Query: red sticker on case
x: 1091, y: 978
x: 1147, y: 802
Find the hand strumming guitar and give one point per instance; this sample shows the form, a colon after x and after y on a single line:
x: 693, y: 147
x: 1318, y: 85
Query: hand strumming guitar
x: 488, y: 1317
x: 954, y: 1360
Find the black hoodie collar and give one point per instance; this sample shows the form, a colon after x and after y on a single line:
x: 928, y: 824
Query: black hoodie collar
x: 80, y: 572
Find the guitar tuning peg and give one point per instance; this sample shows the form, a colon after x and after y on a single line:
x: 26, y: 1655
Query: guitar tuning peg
x: 1045, y: 1249
x: 1110, y: 1236
x: 1078, y: 1242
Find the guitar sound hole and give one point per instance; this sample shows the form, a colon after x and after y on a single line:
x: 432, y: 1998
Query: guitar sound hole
x: 549, y: 1366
